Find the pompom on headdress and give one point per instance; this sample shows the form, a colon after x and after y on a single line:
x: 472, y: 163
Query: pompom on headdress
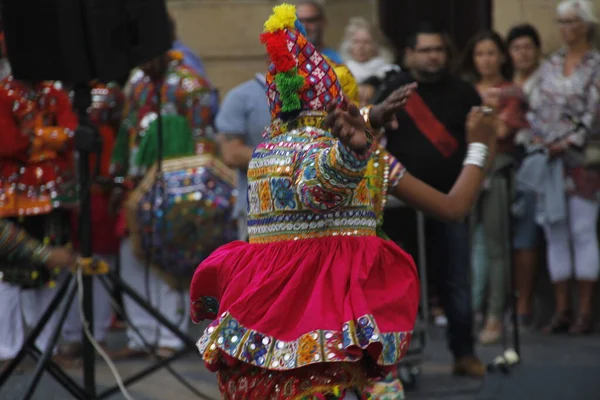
x: 299, y: 78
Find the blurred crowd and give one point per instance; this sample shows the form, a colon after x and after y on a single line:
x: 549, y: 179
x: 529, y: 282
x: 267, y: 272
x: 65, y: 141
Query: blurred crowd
x: 538, y: 209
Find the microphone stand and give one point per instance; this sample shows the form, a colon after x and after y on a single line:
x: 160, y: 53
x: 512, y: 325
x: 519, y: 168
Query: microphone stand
x: 503, y: 362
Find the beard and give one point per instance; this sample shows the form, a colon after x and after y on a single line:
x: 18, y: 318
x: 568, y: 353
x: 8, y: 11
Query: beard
x: 431, y: 76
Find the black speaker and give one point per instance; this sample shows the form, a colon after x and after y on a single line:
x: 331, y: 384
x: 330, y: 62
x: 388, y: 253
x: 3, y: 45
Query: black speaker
x: 79, y: 40
x: 543, y: 382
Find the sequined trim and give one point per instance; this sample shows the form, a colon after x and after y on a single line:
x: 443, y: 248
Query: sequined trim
x: 227, y: 335
x: 383, y: 173
x: 298, y: 226
x: 315, y: 119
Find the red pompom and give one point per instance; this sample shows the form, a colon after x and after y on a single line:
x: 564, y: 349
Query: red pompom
x: 277, y: 48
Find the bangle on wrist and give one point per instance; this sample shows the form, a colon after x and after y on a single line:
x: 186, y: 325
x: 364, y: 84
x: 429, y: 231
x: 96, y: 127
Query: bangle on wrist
x: 365, y: 112
x: 477, y: 155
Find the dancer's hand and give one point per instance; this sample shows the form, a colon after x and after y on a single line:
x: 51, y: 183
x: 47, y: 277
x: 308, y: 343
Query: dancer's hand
x: 62, y: 257
x: 348, y: 126
x: 384, y: 113
x: 481, y: 127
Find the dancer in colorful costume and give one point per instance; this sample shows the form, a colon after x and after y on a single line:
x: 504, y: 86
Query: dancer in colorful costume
x: 185, y: 101
x: 37, y: 191
x: 316, y: 303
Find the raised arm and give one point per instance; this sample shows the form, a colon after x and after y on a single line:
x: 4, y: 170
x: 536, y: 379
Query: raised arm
x: 327, y: 174
x: 328, y: 170
x: 457, y: 204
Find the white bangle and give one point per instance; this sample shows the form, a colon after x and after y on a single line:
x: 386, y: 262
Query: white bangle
x: 477, y: 154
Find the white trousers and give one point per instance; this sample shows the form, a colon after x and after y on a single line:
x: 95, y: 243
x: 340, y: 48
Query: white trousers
x: 171, y: 303
x: 72, y: 329
x: 19, y: 307
x: 581, y: 231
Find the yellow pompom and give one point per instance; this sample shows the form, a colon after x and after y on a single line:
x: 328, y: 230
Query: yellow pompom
x: 336, y: 391
x: 283, y: 17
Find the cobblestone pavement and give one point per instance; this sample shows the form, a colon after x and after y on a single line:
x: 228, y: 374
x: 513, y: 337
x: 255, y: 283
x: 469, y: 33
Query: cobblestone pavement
x: 435, y: 380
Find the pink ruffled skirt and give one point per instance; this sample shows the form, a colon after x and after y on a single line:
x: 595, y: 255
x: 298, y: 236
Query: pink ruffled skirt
x: 291, y: 304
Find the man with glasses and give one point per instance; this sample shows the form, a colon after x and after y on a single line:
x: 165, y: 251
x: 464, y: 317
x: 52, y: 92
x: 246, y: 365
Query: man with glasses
x: 430, y: 143
x: 312, y: 15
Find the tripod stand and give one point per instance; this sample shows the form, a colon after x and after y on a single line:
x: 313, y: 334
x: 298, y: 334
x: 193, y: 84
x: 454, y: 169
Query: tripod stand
x: 87, y: 141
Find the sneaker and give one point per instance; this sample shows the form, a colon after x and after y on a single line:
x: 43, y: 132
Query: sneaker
x: 491, y: 332
x: 469, y: 366
x: 441, y: 321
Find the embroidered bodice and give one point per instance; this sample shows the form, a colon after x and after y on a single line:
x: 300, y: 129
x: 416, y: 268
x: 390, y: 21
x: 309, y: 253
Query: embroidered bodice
x: 383, y: 174
x: 304, y: 183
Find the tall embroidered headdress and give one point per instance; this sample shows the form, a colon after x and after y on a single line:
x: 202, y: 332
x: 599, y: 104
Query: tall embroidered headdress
x: 299, y: 78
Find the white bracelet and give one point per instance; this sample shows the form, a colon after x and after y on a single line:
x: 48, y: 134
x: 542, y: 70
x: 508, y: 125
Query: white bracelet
x: 477, y: 154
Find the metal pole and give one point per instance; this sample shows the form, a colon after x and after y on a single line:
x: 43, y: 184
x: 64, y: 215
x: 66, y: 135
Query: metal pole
x: 85, y: 139
x: 422, y: 255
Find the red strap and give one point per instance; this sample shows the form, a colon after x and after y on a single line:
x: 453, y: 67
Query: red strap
x: 430, y: 126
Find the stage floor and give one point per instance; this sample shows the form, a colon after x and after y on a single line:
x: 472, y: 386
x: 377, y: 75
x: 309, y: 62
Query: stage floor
x: 436, y: 382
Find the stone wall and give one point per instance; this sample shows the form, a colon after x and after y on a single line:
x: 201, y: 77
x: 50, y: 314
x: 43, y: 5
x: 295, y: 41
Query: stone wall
x: 225, y: 32
x: 540, y: 13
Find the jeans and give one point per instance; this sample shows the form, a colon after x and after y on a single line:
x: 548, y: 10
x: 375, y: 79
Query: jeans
x: 448, y: 267
x: 492, y: 252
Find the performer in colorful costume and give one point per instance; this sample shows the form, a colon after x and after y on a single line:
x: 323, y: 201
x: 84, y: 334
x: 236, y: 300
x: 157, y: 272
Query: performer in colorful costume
x: 316, y: 303
x: 37, y: 190
x: 185, y: 105
x: 17, y: 246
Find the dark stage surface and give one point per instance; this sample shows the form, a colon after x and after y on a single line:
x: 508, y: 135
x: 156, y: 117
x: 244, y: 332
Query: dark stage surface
x: 436, y: 382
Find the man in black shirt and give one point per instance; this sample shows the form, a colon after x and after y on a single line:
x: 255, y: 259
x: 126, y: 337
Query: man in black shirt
x: 431, y: 144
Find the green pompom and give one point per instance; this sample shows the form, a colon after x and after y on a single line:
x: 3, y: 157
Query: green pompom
x: 288, y: 85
